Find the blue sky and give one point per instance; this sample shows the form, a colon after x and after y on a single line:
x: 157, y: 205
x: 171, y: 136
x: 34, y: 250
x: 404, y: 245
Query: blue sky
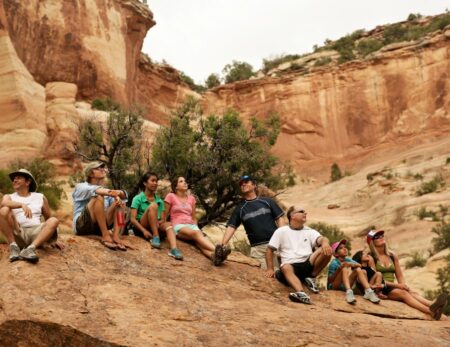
x: 199, y: 37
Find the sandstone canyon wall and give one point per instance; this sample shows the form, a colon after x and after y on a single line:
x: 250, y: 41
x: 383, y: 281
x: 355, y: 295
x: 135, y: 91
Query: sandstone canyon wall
x: 330, y: 113
x: 75, y: 51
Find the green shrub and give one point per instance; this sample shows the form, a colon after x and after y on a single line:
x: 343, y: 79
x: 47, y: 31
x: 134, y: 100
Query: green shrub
x: 105, y: 105
x: 5, y: 182
x: 269, y: 64
x: 322, y: 61
x: 190, y: 82
x: 424, y: 213
x: 442, y: 240
x: 447, y: 161
x: 418, y: 176
x: 443, y: 278
x: 331, y: 232
x: 430, y: 186
x: 242, y: 246
x: 213, y: 80
x: 414, y: 16
x: 237, y: 71
x: 417, y: 260
x: 370, y: 176
x: 336, y: 173
x: 367, y: 46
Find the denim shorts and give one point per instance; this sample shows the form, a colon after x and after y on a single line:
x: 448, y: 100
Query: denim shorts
x: 177, y: 227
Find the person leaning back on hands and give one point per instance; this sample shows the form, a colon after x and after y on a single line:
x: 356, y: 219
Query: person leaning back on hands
x: 299, y: 261
x: 20, y: 218
x: 260, y: 216
x: 95, y: 207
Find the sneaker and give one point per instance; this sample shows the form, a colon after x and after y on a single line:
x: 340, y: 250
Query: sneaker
x: 155, y: 242
x: 29, y: 254
x: 175, y: 253
x: 300, y: 297
x: 438, y: 306
x: 14, y: 252
x: 226, y: 252
x: 218, y: 256
x: 371, y: 296
x: 311, y: 284
x: 350, y: 297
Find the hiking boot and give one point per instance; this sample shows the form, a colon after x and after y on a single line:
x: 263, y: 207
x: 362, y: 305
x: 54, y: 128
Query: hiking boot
x: 14, y: 252
x: 300, y: 297
x: 175, y: 253
x: 226, y: 252
x: 155, y: 242
x: 371, y: 296
x: 218, y: 256
x: 311, y: 284
x: 438, y: 306
x: 350, y: 297
x: 29, y: 254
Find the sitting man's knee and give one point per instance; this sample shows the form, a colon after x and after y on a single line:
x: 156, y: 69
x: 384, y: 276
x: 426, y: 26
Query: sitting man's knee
x: 53, y: 221
x: 4, y: 211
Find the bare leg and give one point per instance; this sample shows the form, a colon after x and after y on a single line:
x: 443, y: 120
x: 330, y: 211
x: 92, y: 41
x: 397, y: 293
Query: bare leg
x: 407, y: 298
x: 205, y: 246
x: 171, y: 237
x: 48, y: 229
x: 421, y: 299
x: 319, y: 261
x: 152, y: 216
x: 362, y: 277
x: 7, y: 223
x: 96, y: 209
x: 291, y: 278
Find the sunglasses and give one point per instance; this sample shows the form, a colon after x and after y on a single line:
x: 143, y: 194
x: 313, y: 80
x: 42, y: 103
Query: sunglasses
x: 299, y: 211
x: 378, y: 236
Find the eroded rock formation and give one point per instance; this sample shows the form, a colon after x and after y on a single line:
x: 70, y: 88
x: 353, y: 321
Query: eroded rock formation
x: 335, y: 112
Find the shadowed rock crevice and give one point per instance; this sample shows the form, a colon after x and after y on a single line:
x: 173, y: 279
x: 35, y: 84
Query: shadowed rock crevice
x: 35, y: 333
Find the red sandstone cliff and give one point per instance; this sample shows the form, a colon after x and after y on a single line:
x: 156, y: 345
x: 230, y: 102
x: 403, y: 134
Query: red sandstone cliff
x: 330, y: 113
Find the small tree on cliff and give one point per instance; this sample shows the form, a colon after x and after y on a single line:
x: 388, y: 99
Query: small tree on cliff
x: 212, y: 152
x: 237, y: 71
x: 117, y: 143
x: 213, y: 80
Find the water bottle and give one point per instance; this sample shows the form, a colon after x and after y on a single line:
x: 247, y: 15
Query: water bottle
x: 120, y: 217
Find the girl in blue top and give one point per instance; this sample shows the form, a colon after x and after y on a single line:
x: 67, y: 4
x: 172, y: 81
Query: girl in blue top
x: 343, y: 272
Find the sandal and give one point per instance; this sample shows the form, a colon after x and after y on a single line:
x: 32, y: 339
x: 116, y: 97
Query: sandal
x: 108, y: 244
x: 121, y: 247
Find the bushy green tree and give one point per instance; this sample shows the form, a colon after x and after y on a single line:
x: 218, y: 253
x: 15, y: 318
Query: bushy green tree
x: 237, y: 71
x: 212, y: 152
x: 443, y: 278
x: 118, y: 143
x: 213, y: 80
x: 442, y: 240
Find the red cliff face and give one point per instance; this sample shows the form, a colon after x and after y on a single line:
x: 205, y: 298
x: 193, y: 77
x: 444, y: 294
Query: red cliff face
x: 336, y: 112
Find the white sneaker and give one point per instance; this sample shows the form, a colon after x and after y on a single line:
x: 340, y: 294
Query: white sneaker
x: 311, y: 284
x: 371, y: 296
x: 350, y: 297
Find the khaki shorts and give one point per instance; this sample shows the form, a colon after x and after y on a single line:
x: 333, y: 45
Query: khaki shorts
x: 26, y: 236
x: 259, y: 253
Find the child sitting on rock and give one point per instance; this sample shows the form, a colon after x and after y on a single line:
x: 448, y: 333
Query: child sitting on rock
x: 374, y: 277
x: 343, y: 272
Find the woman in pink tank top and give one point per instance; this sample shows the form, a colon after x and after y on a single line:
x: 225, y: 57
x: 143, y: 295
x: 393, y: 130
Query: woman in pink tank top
x: 180, y: 205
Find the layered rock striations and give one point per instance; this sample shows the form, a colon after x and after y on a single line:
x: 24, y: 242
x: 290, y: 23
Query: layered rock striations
x: 403, y: 91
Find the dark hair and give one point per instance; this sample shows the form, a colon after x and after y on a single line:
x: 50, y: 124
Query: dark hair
x: 145, y: 178
x: 358, y: 256
x: 174, y: 183
x: 289, y: 212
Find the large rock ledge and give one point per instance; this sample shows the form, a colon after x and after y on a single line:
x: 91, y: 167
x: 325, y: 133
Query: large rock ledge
x: 143, y: 297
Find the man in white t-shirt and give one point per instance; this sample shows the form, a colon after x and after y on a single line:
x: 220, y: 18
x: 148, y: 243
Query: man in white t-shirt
x: 303, y: 251
x: 20, y: 218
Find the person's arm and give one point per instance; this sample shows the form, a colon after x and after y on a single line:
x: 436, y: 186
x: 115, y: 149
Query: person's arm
x: 46, y: 209
x: 323, y: 242
x: 136, y: 224
x: 269, y: 261
x: 280, y: 222
x: 193, y: 215
x: 167, y: 207
x: 7, y: 202
x: 399, y: 275
x: 229, y: 232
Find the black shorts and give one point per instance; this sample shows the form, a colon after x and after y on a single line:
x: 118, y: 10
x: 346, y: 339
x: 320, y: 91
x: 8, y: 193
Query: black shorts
x: 386, y: 290
x: 301, y: 270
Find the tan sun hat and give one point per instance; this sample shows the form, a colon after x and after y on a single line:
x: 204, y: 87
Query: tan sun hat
x: 27, y: 174
x: 91, y: 166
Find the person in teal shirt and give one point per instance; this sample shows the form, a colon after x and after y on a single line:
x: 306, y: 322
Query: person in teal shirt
x: 344, y: 271
x: 148, y: 215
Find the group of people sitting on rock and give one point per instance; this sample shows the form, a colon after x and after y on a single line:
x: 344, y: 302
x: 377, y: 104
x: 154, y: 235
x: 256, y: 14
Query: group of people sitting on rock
x: 294, y: 254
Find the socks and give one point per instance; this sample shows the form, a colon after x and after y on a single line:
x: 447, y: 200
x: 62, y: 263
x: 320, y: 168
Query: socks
x: 368, y: 290
x: 33, y: 247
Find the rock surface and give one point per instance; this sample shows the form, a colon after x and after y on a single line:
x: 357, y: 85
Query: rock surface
x: 142, y: 297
